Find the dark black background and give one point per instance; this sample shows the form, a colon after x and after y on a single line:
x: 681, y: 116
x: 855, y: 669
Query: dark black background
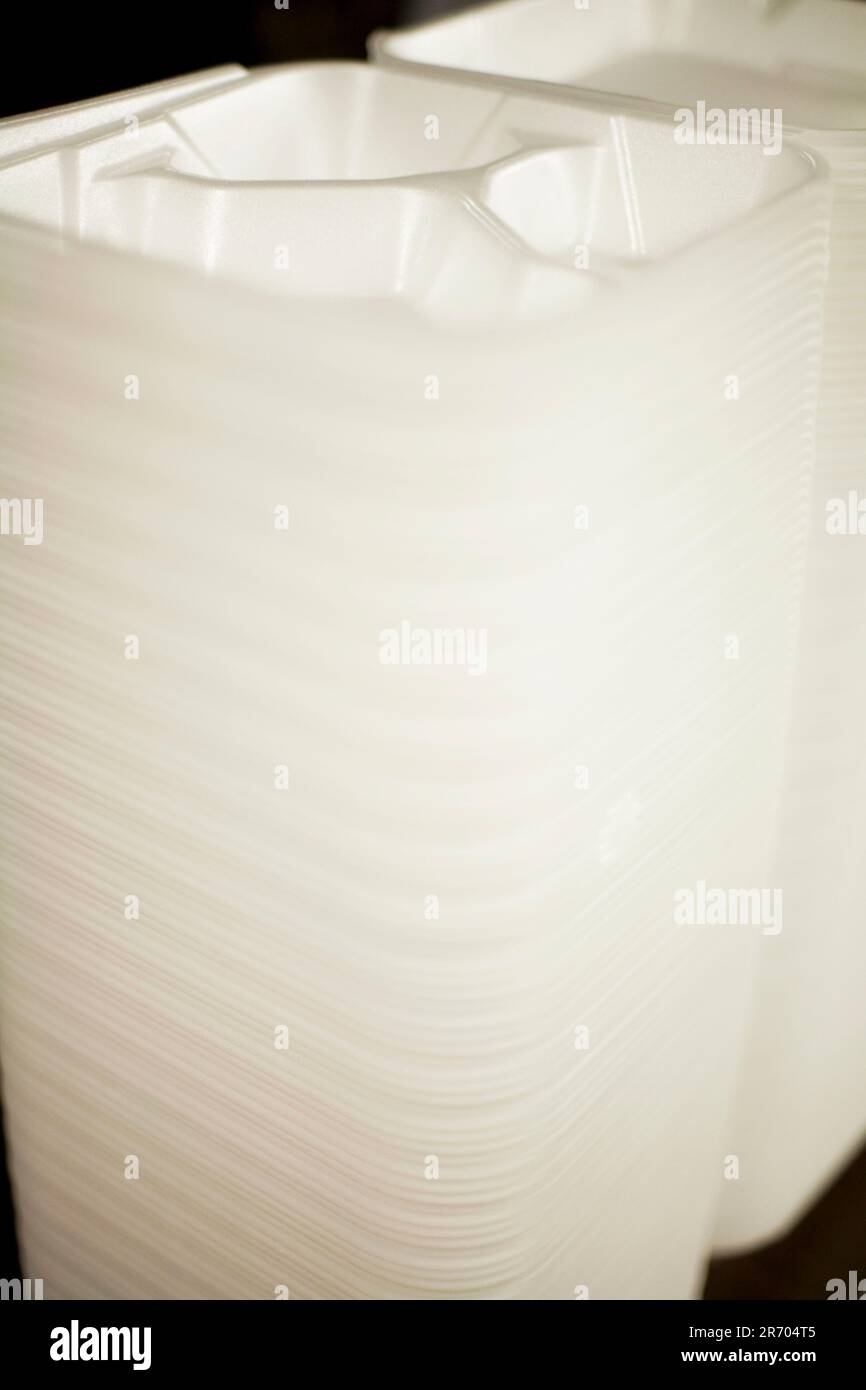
x: 68, y: 50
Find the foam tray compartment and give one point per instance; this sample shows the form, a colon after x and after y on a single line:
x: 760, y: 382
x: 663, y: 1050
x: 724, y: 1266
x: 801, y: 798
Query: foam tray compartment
x: 484, y: 218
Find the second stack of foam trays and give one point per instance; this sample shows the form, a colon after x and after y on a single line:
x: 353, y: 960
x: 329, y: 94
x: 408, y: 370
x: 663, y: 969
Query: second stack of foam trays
x: 731, y: 70
x: 446, y: 450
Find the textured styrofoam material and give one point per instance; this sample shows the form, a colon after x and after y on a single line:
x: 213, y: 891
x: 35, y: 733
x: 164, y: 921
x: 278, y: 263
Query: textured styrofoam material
x: 490, y: 377
x: 802, y: 1104
x: 804, y: 56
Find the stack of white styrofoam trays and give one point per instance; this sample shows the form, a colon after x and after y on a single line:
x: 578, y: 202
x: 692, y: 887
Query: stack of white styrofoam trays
x: 806, y: 66
x: 820, y: 864
x: 434, y: 908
